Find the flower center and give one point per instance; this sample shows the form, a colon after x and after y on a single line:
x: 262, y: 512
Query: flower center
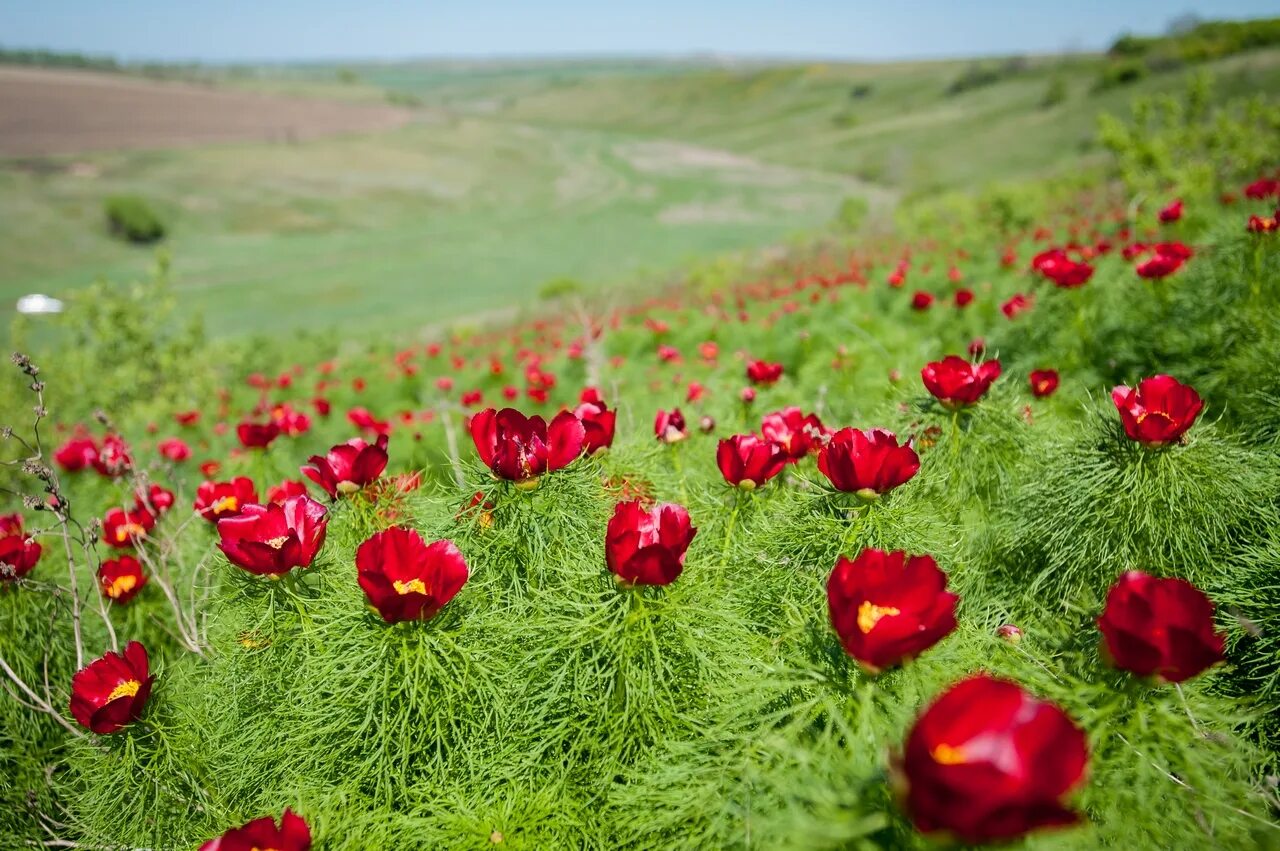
x: 869, y: 614
x: 225, y: 505
x: 948, y: 755
x: 120, y: 586
x: 128, y: 688
x: 276, y: 543
x: 413, y: 586
x: 125, y: 531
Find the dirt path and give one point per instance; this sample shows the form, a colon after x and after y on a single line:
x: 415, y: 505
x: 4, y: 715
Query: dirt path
x: 44, y: 111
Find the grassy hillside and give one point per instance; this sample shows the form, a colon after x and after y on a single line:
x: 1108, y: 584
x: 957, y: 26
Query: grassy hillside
x: 515, y: 174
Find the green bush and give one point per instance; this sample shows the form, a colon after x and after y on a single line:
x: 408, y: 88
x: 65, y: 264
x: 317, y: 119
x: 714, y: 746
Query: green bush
x: 131, y: 218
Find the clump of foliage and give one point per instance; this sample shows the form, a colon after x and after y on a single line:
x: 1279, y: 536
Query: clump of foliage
x: 132, y: 218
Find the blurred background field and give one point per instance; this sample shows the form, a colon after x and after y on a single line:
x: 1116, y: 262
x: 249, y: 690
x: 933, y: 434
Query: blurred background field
x: 401, y: 194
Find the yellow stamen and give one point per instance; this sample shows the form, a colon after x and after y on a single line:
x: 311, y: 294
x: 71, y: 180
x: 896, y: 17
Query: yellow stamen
x: 346, y: 487
x: 276, y: 543
x: 948, y: 755
x: 128, y: 688
x: 414, y: 586
x: 130, y: 530
x: 225, y: 505
x: 121, y: 585
x: 869, y: 614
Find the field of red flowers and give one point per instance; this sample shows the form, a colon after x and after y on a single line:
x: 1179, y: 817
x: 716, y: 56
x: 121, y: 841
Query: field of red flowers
x: 968, y: 535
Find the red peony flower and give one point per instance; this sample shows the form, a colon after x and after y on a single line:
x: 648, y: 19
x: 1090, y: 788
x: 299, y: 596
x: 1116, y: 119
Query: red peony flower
x: 18, y: 553
x: 888, y: 607
x: 1159, y: 411
x: 76, y: 454
x: 1044, y: 382
x: 120, y: 579
x: 868, y: 463
x: 274, y: 539
x: 669, y: 426
x: 1018, y: 303
x: 1171, y: 212
x: 174, y: 449
x: 763, y: 373
x: 647, y: 547
x: 257, y: 435
x: 215, y: 500
x: 157, y: 499
x: 279, y: 493
x: 987, y: 761
x: 963, y: 297
x: 122, y: 528
x: 110, y: 693
x: 1261, y: 189
x: 597, y: 422
x: 1161, y: 628
x: 748, y: 462
x: 1056, y: 266
x: 406, y: 579
x: 186, y: 418
x: 955, y: 382
x: 1160, y: 266
x: 348, y: 467
x: 797, y: 433
x: 263, y: 835
x: 520, y: 448
x: 113, y: 459
x: 11, y: 524
x: 921, y: 300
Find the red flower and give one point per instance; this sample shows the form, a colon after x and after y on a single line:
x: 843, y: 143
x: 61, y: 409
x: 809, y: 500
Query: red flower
x: 1171, y: 212
x: 279, y: 493
x: 921, y: 300
x: 174, y: 449
x: 257, y: 435
x: 597, y: 422
x: 292, y: 422
x: 763, y: 373
x: 122, y: 528
x: 1261, y: 189
x: 157, y: 499
x: 209, y: 469
x: 1044, y: 382
x: 110, y: 693
x: 18, y: 553
x: 76, y: 454
x: 520, y: 448
x: 322, y: 406
x: 406, y: 579
x: 988, y: 761
x: 1160, y: 628
x: 797, y: 433
x: 1018, y: 303
x: 647, y: 547
x: 120, y: 579
x: 955, y: 382
x: 1260, y: 224
x: 1055, y: 265
x: 669, y: 426
x: 11, y: 524
x: 292, y: 835
x: 348, y: 467
x: 747, y: 395
x: 1159, y: 411
x: 868, y: 463
x: 748, y: 462
x: 888, y: 607
x: 1160, y: 266
x: 963, y: 297
x: 274, y: 539
x: 186, y: 418
x: 215, y: 500
x: 113, y: 458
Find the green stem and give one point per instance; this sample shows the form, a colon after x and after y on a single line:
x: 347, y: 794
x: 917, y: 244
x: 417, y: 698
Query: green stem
x: 675, y: 458
x: 728, y: 531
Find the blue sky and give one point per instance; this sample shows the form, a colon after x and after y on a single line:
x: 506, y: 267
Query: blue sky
x: 235, y: 30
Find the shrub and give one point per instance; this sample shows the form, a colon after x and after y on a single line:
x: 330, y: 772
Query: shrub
x: 131, y: 218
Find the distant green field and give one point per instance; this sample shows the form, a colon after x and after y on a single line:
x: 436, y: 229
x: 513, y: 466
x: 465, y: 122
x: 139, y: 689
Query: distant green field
x: 515, y: 174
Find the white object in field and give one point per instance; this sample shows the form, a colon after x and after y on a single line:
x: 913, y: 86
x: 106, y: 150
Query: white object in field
x: 37, y: 303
